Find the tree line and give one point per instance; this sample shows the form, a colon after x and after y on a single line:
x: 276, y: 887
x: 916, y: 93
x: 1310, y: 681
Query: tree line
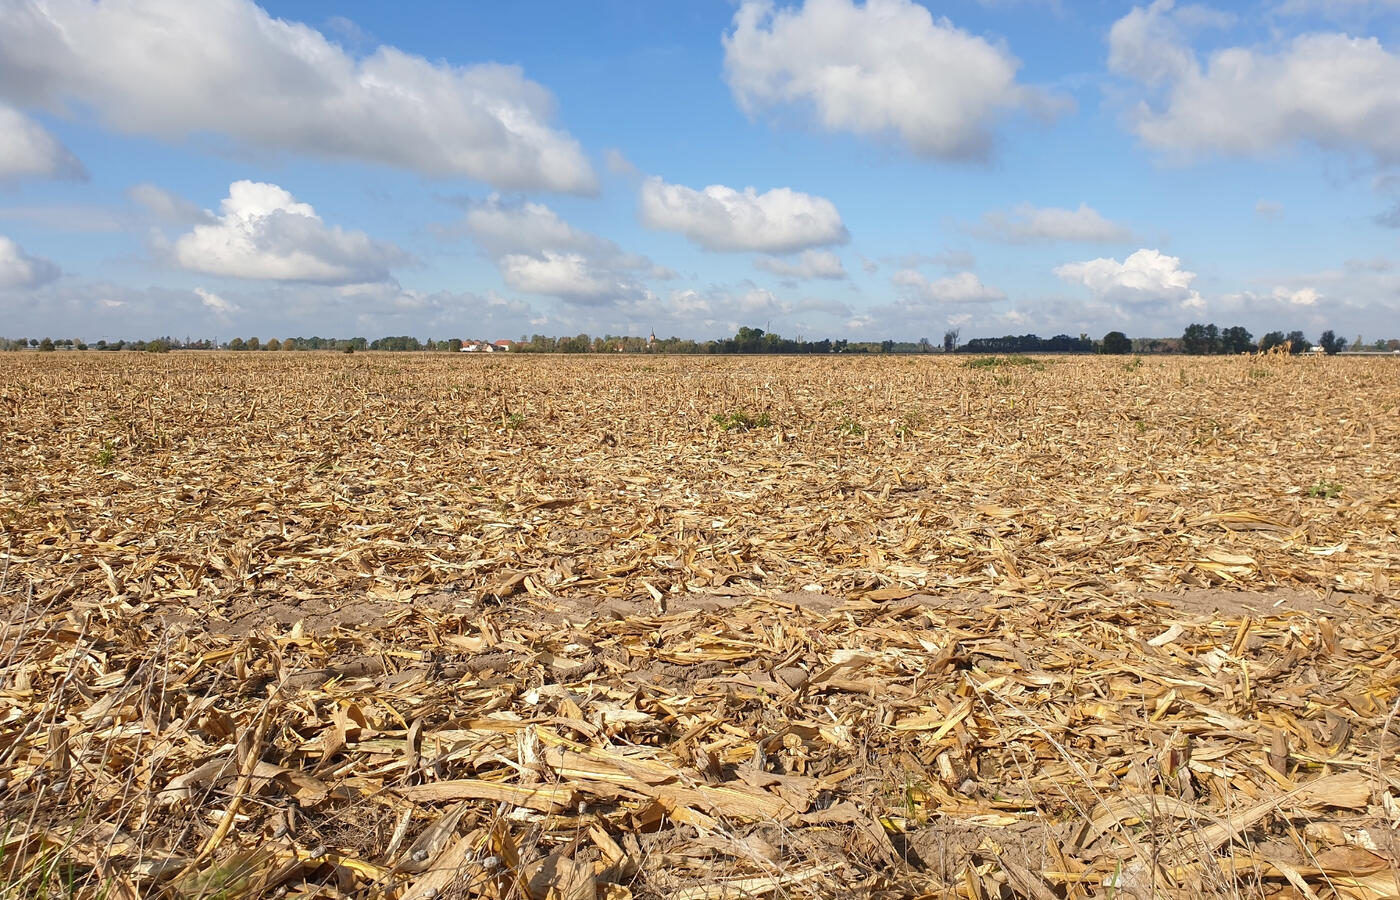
x: 1197, y: 339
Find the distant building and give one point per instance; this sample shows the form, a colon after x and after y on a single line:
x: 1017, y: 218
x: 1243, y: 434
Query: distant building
x: 504, y: 345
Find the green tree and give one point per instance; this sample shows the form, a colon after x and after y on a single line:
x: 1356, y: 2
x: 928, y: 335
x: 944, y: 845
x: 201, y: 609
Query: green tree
x: 1297, y: 343
x: 1194, y: 340
x: 950, y: 340
x: 1236, y: 339
x: 254, y: 344
x: 1117, y: 343
x: 1271, y: 340
x: 1330, y: 343
x: 237, y: 344
x: 46, y: 346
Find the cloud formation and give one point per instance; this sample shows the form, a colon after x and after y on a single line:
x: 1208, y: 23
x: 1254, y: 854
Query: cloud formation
x: 263, y: 232
x: 885, y: 67
x: 961, y: 287
x: 165, y: 207
x: 537, y: 252
x: 171, y: 68
x: 720, y: 218
x: 1330, y: 90
x: 1027, y: 224
x: 28, y: 150
x: 18, y: 270
x: 811, y: 264
x: 1143, y: 278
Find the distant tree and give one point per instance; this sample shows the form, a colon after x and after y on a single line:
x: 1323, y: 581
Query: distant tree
x: 950, y: 340
x: 254, y: 344
x: 1297, y: 343
x: 886, y: 346
x: 1236, y: 339
x: 80, y: 345
x: 237, y: 344
x: 1330, y: 343
x: 1212, y: 339
x: 159, y: 345
x: 1271, y: 340
x: 33, y: 342
x: 274, y: 344
x: 1194, y: 340
x: 1117, y: 343
x: 46, y: 346
x: 289, y: 343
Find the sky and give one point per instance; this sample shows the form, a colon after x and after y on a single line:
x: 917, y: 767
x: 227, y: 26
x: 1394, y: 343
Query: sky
x: 816, y: 168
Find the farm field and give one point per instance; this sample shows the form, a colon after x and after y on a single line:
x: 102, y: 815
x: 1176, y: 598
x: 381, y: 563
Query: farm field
x: 431, y: 625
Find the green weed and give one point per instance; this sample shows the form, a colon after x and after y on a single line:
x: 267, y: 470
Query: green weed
x: 741, y: 420
x: 1324, y: 490
x: 997, y: 362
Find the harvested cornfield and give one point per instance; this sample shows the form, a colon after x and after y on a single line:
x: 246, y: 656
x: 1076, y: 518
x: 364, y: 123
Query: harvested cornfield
x: 418, y: 626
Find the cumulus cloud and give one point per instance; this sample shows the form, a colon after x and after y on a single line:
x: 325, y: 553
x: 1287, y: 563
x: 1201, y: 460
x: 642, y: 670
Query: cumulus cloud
x: 215, y: 304
x: 1145, y: 277
x: 263, y: 232
x: 28, y: 150
x: 811, y: 264
x: 1027, y: 223
x: 720, y: 218
x: 18, y: 270
x: 1268, y: 209
x: 538, y: 252
x: 961, y: 287
x: 885, y: 67
x: 1330, y: 90
x: 171, y: 68
x: 617, y: 163
x: 165, y: 207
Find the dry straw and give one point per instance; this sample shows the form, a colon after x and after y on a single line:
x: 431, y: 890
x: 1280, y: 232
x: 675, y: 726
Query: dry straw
x: 418, y: 626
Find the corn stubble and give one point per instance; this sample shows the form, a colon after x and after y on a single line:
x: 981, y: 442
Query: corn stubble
x: 417, y: 626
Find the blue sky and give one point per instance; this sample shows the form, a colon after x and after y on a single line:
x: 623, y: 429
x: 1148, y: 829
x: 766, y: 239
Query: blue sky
x: 823, y: 168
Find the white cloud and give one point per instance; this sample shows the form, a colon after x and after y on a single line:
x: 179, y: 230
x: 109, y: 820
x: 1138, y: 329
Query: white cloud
x: 27, y: 149
x: 19, y: 270
x: 617, y: 163
x: 502, y: 227
x: 216, y: 304
x: 265, y: 233
x: 172, y: 68
x: 539, y: 253
x: 811, y: 264
x: 568, y: 276
x: 720, y: 218
x: 1331, y: 90
x: 886, y: 67
x: 1268, y: 209
x: 1145, y: 277
x: 1027, y: 223
x: 165, y: 207
x: 962, y: 287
